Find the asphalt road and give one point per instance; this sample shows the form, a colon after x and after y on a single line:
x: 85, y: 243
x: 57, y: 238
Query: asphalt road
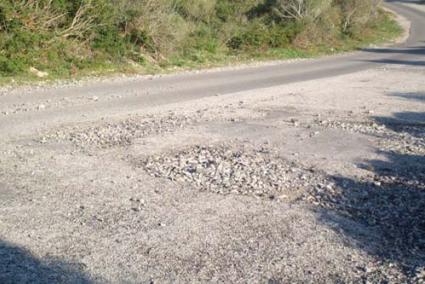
x: 28, y: 112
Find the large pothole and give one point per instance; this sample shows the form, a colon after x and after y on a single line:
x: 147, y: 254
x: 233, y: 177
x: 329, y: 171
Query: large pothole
x: 234, y: 168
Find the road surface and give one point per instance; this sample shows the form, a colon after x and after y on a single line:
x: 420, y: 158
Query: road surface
x: 33, y: 110
x: 309, y: 171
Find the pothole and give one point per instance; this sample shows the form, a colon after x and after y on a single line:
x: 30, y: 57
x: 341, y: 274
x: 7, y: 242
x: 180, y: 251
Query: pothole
x: 121, y: 133
x: 404, y: 139
x: 232, y: 168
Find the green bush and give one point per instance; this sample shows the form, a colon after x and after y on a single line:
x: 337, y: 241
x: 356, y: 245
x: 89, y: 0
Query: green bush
x: 198, y: 10
x: 68, y: 36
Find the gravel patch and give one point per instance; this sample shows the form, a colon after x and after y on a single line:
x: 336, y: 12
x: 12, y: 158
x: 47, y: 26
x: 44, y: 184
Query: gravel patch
x: 364, y: 127
x: 122, y: 133
x: 401, y: 138
x: 227, y: 168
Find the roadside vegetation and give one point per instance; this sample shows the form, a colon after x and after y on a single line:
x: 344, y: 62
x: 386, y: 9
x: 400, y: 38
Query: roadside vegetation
x: 70, y: 38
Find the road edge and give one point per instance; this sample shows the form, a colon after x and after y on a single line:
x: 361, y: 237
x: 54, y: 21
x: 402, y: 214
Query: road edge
x: 122, y: 78
x: 404, y: 23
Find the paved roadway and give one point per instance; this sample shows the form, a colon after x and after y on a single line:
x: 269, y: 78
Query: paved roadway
x: 50, y: 107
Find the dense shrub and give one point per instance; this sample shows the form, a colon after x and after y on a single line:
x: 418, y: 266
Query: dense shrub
x: 65, y: 36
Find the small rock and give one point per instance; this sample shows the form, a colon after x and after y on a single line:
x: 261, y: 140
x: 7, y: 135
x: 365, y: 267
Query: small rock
x: 38, y: 73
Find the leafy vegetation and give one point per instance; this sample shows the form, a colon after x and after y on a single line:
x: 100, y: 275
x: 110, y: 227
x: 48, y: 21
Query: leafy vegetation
x: 74, y: 37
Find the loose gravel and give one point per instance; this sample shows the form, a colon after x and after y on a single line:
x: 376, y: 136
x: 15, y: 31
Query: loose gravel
x: 402, y: 138
x: 121, y: 133
x: 226, y: 168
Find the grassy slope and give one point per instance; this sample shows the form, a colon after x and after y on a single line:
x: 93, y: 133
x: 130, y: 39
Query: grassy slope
x: 384, y: 29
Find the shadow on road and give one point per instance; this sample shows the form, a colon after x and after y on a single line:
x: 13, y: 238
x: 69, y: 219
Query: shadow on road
x: 18, y: 265
x: 418, y: 96
x: 412, y: 123
x: 392, y: 201
x: 389, y: 202
x: 414, y: 53
x: 406, y: 1
x: 408, y: 50
x: 398, y: 62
